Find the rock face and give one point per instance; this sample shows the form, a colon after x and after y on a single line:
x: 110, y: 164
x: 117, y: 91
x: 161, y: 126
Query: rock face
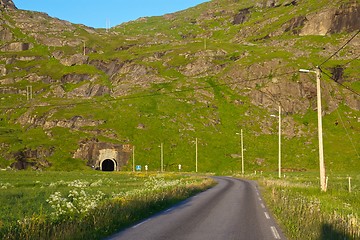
x: 34, y: 158
x: 7, y: 4
x: 5, y: 34
x: 98, y: 154
x: 345, y: 19
x: 17, y: 47
x: 76, y: 122
x: 242, y: 16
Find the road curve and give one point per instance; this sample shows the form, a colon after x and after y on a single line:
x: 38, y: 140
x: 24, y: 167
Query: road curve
x: 233, y: 209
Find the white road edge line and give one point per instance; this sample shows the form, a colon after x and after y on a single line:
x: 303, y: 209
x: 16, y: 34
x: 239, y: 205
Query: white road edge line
x: 267, y: 215
x: 275, y: 232
x: 137, y: 225
x: 170, y: 209
x: 262, y: 205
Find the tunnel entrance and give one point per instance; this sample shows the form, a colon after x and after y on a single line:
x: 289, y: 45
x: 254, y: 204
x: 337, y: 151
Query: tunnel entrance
x: 108, y: 165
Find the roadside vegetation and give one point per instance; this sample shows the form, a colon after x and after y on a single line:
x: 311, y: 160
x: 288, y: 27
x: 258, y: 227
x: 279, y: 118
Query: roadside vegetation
x: 304, y: 212
x: 85, y: 205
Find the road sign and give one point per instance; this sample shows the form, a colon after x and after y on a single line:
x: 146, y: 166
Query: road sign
x: 138, y: 168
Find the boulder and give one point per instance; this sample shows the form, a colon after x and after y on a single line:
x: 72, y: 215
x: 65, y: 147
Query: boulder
x: 76, y: 59
x: 17, y: 47
x: 74, y: 78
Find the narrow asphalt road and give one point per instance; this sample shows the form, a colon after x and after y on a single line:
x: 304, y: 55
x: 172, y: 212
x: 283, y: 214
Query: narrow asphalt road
x: 233, y: 209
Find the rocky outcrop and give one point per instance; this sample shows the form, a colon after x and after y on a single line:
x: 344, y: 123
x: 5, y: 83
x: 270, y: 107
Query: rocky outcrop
x: 110, y: 68
x: 76, y: 59
x: 7, y: 4
x: 16, y: 47
x: 5, y: 34
x: 89, y: 90
x: 203, y: 63
x: 3, y: 70
x: 132, y: 75
x: 242, y: 16
x: 344, y: 19
x: 74, y: 78
x: 268, y: 3
x: 76, y: 122
x: 36, y: 159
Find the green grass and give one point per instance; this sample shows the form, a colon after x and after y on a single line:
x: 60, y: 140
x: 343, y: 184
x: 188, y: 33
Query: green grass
x: 306, y: 213
x: 61, y: 205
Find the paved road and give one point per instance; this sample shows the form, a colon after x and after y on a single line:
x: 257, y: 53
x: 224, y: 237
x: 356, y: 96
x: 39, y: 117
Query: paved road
x: 233, y: 209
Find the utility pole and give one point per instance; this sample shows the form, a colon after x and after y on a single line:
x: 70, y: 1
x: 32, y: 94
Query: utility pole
x: 107, y: 24
x: 279, y: 119
x: 279, y: 141
x: 317, y: 71
x: 133, y: 158
x: 162, y: 157
x: 242, y: 152
x: 196, y: 155
x: 29, y: 92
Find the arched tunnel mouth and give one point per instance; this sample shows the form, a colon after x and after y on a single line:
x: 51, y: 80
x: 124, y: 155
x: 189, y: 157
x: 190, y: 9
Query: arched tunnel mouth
x: 108, y: 165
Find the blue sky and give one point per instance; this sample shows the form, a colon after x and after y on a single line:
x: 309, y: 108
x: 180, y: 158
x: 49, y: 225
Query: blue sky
x: 96, y: 13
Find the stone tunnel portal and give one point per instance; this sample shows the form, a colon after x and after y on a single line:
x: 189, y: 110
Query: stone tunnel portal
x: 108, y: 165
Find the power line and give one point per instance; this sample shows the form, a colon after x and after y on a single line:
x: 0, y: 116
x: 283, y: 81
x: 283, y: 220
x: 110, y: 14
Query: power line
x: 342, y: 122
x: 346, y: 87
x: 154, y: 94
x: 340, y: 48
x: 356, y: 58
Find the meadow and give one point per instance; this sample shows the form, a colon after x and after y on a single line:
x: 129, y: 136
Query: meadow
x: 85, y: 205
x: 304, y: 212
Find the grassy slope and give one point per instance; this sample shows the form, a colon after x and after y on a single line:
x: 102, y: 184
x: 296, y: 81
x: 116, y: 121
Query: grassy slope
x: 176, y: 119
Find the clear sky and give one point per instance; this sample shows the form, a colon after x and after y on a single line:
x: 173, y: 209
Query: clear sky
x: 96, y: 13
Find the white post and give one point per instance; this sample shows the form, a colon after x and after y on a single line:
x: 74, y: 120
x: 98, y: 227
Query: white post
x: 196, y: 155
x: 279, y: 141
x: 242, y: 153
x: 349, y: 184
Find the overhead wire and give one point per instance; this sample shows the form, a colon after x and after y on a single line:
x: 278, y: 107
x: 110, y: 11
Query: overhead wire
x: 341, y: 48
x: 337, y: 82
x: 343, y: 124
x: 347, y: 63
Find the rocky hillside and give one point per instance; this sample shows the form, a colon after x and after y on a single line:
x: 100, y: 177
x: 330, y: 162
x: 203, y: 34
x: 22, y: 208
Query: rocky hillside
x: 204, y: 73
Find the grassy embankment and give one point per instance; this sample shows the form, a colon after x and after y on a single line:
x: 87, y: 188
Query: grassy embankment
x: 304, y: 212
x: 85, y: 205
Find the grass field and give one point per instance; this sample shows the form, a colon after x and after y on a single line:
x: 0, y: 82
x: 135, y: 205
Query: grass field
x: 305, y: 212
x: 85, y: 205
